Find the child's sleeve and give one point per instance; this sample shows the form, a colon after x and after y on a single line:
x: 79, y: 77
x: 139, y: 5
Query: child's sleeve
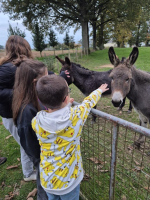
x: 88, y: 103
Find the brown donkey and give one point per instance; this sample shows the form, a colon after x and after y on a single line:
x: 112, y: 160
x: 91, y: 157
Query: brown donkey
x: 127, y: 81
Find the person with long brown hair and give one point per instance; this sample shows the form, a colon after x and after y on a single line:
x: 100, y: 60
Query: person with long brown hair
x: 16, y: 47
x: 25, y: 106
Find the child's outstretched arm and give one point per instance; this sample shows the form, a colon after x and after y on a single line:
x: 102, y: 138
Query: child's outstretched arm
x: 95, y: 96
x: 90, y: 101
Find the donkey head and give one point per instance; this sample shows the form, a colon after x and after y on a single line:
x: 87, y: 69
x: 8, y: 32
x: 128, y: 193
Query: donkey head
x: 66, y: 65
x: 121, y: 75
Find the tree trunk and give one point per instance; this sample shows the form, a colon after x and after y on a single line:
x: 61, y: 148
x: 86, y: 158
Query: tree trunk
x: 130, y: 43
x: 94, y: 36
x: 101, y: 35
x: 138, y: 34
x: 41, y: 53
x: 146, y: 43
x: 101, y: 44
x: 118, y: 44
x: 85, y: 41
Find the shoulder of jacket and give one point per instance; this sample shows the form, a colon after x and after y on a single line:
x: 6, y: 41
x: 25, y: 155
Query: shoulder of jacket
x: 9, y: 64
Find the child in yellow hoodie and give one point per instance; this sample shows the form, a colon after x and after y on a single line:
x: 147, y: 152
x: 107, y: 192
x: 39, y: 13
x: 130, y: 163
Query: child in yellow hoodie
x: 58, y: 130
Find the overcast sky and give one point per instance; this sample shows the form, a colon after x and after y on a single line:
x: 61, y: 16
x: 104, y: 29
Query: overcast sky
x: 4, y: 34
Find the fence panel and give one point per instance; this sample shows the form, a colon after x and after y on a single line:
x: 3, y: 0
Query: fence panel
x: 114, y: 167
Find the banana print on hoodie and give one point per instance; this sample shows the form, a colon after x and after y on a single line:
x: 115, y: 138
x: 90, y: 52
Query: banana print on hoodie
x: 59, y: 132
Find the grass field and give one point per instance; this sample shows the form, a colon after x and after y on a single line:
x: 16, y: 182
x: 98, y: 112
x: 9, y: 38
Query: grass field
x: 11, y: 180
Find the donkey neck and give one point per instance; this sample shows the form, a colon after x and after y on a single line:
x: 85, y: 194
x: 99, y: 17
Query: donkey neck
x: 140, y: 81
x: 80, y: 75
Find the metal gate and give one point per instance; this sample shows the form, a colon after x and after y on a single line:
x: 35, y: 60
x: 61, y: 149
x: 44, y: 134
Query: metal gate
x: 114, y: 168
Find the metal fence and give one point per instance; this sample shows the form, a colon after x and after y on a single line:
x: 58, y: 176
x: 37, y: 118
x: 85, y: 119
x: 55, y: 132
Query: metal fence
x: 114, y: 168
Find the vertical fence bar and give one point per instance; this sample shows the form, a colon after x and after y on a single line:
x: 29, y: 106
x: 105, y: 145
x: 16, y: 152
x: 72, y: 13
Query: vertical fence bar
x: 76, y: 56
x: 113, y: 161
x: 62, y: 48
x: 57, y: 66
x: 69, y: 53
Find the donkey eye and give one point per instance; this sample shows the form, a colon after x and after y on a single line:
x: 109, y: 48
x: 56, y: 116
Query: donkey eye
x: 127, y: 80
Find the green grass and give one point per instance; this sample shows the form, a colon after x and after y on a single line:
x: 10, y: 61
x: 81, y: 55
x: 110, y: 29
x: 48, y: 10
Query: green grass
x: 96, y: 143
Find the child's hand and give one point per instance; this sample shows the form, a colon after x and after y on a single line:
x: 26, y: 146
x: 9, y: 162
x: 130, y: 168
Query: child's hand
x: 103, y: 87
x: 71, y: 100
x: 67, y: 73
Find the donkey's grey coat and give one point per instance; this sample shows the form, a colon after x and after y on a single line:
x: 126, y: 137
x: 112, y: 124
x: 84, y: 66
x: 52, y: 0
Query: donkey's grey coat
x: 131, y: 82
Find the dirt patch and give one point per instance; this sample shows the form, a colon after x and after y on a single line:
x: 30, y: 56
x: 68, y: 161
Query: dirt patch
x: 105, y: 66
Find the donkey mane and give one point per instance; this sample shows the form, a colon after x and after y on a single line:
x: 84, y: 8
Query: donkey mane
x: 82, y: 70
x: 141, y: 75
x: 123, y: 59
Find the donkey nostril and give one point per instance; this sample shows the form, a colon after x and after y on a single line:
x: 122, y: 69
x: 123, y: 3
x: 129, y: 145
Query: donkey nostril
x: 116, y: 104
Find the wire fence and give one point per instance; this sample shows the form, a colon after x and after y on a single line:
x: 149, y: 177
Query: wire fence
x: 114, y: 168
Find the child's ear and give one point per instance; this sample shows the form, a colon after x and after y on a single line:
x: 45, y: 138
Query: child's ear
x: 66, y: 99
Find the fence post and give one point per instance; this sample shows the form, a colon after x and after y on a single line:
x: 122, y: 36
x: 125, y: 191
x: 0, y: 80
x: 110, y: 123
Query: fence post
x: 84, y: 51
x: 57, y: 65
x: 113, y: 161
x: 76, y: 55
x: 69, y: 53
x: 62, y: 48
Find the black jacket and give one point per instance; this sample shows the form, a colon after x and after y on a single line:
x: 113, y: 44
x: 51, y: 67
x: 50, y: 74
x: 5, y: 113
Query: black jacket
x: 28, y: 138
x: 7, y: 78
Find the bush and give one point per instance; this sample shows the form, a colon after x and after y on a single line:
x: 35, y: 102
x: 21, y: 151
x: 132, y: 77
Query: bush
x: 49, y: 61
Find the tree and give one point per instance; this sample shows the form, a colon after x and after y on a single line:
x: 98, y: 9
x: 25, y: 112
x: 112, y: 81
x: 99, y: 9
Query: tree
x: 1, y: 47
x: 142, y: 27
x: 52, y: 39
x: 102, y: 36
x: 71, y: 42
x: 63, y: 13
x: 15, y: 31
x: 72, y: 13
x: 66, y: 39
x: 38, y: 39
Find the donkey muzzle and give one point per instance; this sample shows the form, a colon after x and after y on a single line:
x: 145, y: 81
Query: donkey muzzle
x: 117, y: 99
x: 116, y: 104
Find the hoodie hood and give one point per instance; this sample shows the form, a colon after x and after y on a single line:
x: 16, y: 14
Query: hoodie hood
x: 55, y: 121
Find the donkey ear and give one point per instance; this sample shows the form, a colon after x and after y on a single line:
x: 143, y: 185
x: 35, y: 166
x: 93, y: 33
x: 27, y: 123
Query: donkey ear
x: 60, y: 60
x: 112, y: 57
x: 67, y: 61
x: 133, y: 56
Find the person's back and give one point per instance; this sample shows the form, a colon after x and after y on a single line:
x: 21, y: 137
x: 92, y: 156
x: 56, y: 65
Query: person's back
x: 58, y: 131
x: 16, y: 48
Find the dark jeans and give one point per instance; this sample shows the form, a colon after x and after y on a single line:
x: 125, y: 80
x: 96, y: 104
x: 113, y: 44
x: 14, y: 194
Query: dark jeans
x: 41, y: 194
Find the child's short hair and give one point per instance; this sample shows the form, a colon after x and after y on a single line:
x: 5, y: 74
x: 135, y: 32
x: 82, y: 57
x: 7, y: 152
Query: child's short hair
x: 51, y: 91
